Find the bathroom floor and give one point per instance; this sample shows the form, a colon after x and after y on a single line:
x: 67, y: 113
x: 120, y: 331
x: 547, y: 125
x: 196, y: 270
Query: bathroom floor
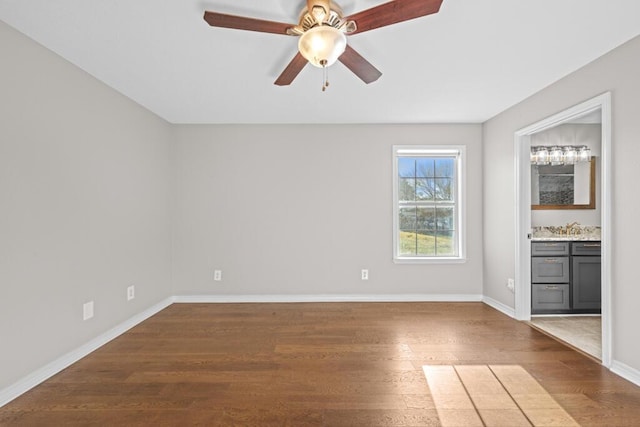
x: 582, y: 332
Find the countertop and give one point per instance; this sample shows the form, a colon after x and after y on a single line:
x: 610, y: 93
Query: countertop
x: 565, y: 238
x: 557, y: 234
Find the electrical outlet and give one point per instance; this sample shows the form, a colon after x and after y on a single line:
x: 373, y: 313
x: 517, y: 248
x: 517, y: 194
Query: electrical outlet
x: 217, y: 275
x: 87, y: 310
x: 364, y: 274
x: 131, y: 293
x: 511, y: 285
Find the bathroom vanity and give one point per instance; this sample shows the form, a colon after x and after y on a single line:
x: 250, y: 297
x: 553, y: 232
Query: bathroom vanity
x: 565, y: 277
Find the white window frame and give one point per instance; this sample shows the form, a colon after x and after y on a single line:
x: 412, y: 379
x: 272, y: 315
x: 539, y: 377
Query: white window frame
x: 458, y: 151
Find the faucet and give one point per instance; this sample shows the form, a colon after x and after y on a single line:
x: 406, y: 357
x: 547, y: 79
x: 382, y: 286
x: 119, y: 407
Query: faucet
x: 570, y: 227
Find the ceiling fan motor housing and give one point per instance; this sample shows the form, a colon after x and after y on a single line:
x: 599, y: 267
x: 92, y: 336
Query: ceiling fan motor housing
x: 321, y: 13
x: 317, y: 15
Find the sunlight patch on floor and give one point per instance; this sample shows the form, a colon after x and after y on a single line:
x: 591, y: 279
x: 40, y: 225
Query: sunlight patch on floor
x: 492, y: 395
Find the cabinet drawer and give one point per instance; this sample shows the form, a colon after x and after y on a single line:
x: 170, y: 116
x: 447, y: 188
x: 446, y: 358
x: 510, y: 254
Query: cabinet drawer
x: 550, y: 270
x: 549, y: 248
x: 549, y: 297
x: 585, y: 248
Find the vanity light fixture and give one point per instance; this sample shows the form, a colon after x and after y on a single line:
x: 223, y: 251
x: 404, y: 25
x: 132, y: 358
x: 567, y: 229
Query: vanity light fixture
x: 560, y: 155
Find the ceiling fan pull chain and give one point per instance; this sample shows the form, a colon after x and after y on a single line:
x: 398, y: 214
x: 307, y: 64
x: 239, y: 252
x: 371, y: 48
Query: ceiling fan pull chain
x: 325, y: 75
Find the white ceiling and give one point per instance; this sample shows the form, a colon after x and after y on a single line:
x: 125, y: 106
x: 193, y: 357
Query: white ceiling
x: 467, y: 63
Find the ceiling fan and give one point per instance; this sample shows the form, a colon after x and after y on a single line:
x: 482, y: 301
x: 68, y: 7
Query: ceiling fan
x: 323, y: 29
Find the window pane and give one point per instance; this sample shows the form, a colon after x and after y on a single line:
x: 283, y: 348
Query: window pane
x: 443, y: 189
x: 444, y: 168
x: 426, y: 219
x: 407, y: 219
x: 407, y: 189
x: 425, y: 167
x: 445, y: 219
x: 425, y: 189
x: 407, y: 243
x: 426, y: 244
x: 445, y: 243
x: 406, y: 167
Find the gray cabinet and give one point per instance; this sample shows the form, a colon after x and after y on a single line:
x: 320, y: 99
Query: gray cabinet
x: 550, y: 277
x: 565, y: 277
x: 586, y: 276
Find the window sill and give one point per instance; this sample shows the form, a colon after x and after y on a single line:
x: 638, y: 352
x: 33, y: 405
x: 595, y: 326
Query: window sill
x: 442, y: 260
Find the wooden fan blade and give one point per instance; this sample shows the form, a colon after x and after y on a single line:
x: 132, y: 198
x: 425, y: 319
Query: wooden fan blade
x: 359, y: 66
x: 392, y: 13
x: 216, y: 19
x: 291, y: 72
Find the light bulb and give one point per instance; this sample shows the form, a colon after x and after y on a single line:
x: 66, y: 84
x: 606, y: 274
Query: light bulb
x: 542, y: 156
x: 570, y: 155
x: 584, y: 154
x: 555, y: 156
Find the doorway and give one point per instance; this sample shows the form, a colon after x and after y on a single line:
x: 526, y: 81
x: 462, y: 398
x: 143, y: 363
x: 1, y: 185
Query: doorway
x: 523, y: 139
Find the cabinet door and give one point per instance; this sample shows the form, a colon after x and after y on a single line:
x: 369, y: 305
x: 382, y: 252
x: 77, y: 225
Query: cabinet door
x: 586, y: 283
x: 550, y: 270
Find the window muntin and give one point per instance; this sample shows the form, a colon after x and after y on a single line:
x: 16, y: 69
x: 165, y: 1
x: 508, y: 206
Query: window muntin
x: 427, y: 211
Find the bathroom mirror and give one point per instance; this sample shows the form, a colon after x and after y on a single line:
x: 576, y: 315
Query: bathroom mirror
x: 564, y: 186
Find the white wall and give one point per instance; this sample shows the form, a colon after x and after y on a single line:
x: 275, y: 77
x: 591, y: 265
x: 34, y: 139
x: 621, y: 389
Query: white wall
x: 84, y: 195
x: 617, y: 72
x: 300, y: 210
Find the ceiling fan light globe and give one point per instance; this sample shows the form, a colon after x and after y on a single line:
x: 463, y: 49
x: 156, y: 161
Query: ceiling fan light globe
x: 322, y: 45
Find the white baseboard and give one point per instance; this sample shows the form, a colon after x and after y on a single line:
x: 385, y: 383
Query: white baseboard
x: 325, y: 298
x: 626, y: 372
x: 25, y: 384
x: 503, y: 308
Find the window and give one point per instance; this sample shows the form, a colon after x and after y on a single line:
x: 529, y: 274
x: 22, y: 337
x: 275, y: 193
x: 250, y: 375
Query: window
x: 428, y: 212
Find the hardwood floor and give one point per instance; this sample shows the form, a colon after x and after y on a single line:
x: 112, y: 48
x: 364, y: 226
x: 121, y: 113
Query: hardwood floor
x: 311, y: 364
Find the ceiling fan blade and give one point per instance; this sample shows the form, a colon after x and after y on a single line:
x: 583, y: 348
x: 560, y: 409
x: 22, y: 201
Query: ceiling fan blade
x: 392, y: 13
x: 216, y: 19
x: 291, y: 72
x: 359, y: 66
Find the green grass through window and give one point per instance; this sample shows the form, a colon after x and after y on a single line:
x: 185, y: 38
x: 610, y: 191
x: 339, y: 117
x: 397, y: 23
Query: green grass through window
x: 423, y: 244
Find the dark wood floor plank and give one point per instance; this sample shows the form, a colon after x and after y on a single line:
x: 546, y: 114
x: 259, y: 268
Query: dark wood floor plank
x: 313, y: 364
